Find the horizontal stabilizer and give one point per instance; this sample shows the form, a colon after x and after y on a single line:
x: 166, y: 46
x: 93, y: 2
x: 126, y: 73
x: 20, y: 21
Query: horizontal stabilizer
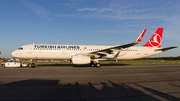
x: 165, y: 49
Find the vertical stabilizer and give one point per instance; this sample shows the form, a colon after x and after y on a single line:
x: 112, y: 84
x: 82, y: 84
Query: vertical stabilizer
x: 155, y: 40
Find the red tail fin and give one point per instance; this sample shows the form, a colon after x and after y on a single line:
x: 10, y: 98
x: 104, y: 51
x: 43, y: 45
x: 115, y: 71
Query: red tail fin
x: 155, y: 40
x: 141, y: 36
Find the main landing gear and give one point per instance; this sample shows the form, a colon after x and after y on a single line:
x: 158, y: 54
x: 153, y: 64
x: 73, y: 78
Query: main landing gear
x: 31, y: 64
x: 98, y: 65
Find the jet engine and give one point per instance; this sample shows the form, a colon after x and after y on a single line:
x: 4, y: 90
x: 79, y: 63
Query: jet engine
x: 79, y: 59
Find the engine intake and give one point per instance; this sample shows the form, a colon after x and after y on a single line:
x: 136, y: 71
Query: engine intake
x: 79, y: 59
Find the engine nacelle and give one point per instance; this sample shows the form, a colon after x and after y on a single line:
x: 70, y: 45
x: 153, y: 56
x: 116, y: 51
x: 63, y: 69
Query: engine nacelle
x: 79, y: 59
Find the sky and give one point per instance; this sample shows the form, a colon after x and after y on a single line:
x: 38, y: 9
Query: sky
x: 87, y: 22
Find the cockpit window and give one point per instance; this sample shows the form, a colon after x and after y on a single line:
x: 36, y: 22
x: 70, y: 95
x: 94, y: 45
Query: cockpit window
x: 20, y: 48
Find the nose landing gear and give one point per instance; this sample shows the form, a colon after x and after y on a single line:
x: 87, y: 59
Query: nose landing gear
x: 31, y: 64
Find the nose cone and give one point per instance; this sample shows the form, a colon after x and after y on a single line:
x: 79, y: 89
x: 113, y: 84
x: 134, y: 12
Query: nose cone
x: 14, y: 53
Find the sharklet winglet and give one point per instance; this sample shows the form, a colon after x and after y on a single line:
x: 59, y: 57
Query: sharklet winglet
x: 139, y: 39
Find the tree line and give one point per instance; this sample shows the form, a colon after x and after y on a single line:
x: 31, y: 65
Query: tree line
x: 163, y: 58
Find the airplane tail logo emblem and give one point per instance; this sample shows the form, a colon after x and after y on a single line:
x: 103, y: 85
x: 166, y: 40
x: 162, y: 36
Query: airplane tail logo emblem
x: 155, y: 40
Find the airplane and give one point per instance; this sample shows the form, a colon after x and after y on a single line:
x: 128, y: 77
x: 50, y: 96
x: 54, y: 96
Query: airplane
x: 92, y: 54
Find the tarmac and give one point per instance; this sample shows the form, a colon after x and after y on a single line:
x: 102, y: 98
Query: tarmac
x: 108, y: 83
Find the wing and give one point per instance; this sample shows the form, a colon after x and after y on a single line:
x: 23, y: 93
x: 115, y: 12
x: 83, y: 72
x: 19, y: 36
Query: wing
x: 110, y: 50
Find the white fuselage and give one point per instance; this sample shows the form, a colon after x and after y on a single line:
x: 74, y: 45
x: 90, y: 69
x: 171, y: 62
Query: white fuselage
x: 51, y: 51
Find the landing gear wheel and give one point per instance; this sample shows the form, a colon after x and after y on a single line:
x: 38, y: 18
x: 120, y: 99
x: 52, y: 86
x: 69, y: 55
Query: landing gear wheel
x: 92, y: 64
x: 31, y: 65
x: 98, y: 65
x: 3, y: 65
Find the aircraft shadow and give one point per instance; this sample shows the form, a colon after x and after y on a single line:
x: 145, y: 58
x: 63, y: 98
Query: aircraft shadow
x: 35, y: 89
x: 84, y: 65
x: 88, y: 65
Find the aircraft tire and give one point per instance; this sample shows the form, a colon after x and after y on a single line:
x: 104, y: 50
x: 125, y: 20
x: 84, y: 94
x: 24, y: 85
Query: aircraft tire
x: 98, y: 65
x: 92, y: 64
x: 31, y: 65
x: 3, y: 65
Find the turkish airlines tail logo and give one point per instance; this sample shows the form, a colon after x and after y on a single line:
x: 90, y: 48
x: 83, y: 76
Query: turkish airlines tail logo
x: 155, y: 40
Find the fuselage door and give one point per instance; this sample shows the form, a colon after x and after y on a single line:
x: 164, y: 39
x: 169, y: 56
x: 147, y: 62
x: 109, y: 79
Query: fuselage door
x: 64, y: 51
x: 146, y: 51
x: 29, y: 52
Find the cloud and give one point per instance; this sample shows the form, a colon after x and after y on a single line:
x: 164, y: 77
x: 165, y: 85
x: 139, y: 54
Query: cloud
x: 119, y: 11
x: 68, y: 4
x: 80, y: 0
x: 148, y: 13
x: 134, y: 13
x: 122, y: 10
x: 38, y: 10
x: 64, y: 15
x: 95, y: 9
